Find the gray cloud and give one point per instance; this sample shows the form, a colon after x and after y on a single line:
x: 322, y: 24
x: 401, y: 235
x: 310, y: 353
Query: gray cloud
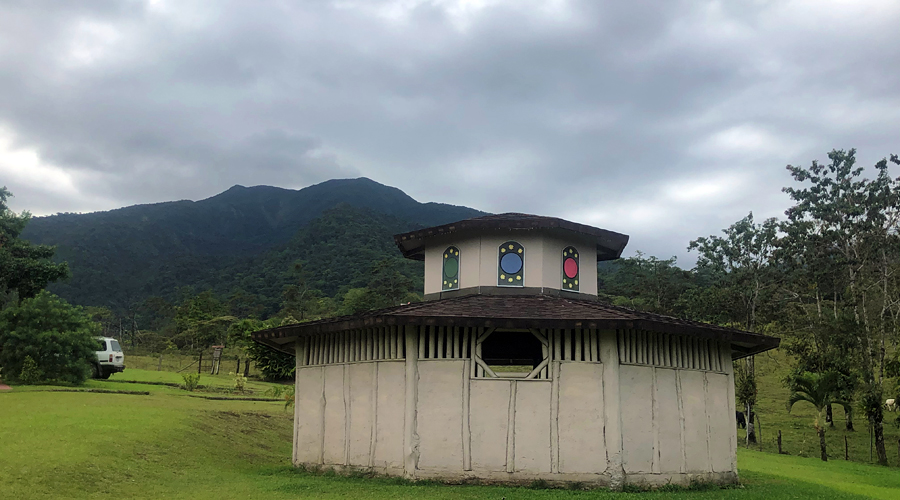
x: 666, y: 120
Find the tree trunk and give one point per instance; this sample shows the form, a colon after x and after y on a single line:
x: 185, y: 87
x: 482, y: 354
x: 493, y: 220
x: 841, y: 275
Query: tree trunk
x: 829, y: 416
x: 879, y: 443
x: 821, y: 431
x: 850, y: 419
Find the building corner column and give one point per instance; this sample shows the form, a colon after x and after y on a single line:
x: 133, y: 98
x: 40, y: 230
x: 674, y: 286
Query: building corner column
x: 300, y: 358
x: 411, y: 433
x: 609, y: 356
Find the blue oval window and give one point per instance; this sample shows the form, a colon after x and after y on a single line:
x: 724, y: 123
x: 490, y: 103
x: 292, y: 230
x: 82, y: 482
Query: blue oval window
x: 511, y: 263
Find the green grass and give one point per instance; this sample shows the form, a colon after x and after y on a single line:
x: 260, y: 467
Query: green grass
x: 168, y: 445
x: 183, y: 363
x: 798, y: 435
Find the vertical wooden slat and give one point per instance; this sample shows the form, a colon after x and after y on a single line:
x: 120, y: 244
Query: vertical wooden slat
x: 454, y: 351
x: 590, y: 345
x: 332, y: 348
x: 545, y: 352
x: 432, y: 342
x: 479, y: 371
x: 670, y: 360
x: 691, y: 352
x: 379, y: 343
x: 632, y: 355
x: 578, y: 344
x: 337, y: 343
x: 557, y: 343
x: 441, y: 336
x: 473, y: 366
x: 646, y: 344
x: 567, y: 344
x: 345, y: 355
x: 464, y: 344
x: 620, y: 346
x: 395, y: 337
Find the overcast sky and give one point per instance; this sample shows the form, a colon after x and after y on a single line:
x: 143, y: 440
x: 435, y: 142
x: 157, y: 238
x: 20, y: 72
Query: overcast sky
x: 663, y: 120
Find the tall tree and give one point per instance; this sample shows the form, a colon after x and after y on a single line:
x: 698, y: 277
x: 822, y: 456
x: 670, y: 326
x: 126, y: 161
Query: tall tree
x: 740, y: 264
x: 645, y: 283
x: 25, y: 269
x: 841, y: 237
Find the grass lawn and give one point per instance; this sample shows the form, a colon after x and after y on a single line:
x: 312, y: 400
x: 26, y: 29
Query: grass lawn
x: 169, y: 445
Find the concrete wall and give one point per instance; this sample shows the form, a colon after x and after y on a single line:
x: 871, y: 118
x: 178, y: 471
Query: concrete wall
x: 351, y: 414
x: 592, y: 421
x: 675, y: 421
x: 543, y: 260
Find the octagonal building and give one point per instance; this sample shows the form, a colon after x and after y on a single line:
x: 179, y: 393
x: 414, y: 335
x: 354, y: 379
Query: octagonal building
x: 511, y: 370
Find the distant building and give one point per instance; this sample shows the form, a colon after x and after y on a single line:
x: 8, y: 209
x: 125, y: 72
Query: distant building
x: 512, y: 370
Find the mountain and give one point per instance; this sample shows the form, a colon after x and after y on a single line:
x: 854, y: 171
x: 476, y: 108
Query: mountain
x: 120, y: 257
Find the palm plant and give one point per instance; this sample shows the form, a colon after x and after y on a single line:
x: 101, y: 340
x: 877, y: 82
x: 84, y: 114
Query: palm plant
x: 819, y: 389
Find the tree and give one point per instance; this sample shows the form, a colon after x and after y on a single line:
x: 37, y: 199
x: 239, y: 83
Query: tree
x: 842, y: 237
x: 25, y: 269
x: 274, y: 365
x: 296, y: 297
x: 745, y: 393
x: 202, y: 320
x: 645, y: 283
x: 389, y: 285
x: 57, y: 336
x: 818, y: 390
x: 740, y: 263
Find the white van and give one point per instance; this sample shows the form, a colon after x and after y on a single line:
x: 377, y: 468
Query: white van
x: 110, y: 358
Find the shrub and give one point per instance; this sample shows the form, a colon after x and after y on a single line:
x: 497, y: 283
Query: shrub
x: 191, y: 381
x: 31, y: 374
x: 57, y: 336
x: 240, y: 382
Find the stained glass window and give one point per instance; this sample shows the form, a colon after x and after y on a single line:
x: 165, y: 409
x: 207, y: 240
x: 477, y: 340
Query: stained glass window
x: 511, y: 264
x: 570, y: 269
x: 451, y: 269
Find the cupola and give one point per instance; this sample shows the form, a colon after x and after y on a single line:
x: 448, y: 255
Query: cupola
x: 511, y: 254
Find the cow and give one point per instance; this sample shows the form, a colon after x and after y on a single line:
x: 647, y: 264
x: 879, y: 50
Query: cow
x: 891, y: 404
x: 742, y: 419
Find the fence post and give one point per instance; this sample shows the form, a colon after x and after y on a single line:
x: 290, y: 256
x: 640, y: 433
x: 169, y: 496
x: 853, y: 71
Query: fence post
x: 759, y: 430
x: 200, y: 363
x: 846, y: 449
x: 779, y: 444
x: 159, y: 366
x: 246, y: 367
x: 238, y: 369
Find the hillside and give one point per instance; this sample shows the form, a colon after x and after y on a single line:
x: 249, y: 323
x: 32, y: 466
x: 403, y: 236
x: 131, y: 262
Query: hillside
x: 120, y: 257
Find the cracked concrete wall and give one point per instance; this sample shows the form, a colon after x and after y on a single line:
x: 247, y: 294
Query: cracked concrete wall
x: 675, y: 420
x: 667, y: 422
x: 371, y: 394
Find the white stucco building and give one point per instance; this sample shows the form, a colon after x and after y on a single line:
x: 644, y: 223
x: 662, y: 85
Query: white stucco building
x: 512, y: 370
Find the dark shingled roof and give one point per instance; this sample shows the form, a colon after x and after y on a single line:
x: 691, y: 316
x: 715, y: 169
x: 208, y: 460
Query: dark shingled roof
x: 609, y: 244
x: 519, y: 311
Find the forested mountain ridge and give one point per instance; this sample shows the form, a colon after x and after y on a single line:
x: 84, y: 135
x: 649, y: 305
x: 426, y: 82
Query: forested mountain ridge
x: 121, y: 257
